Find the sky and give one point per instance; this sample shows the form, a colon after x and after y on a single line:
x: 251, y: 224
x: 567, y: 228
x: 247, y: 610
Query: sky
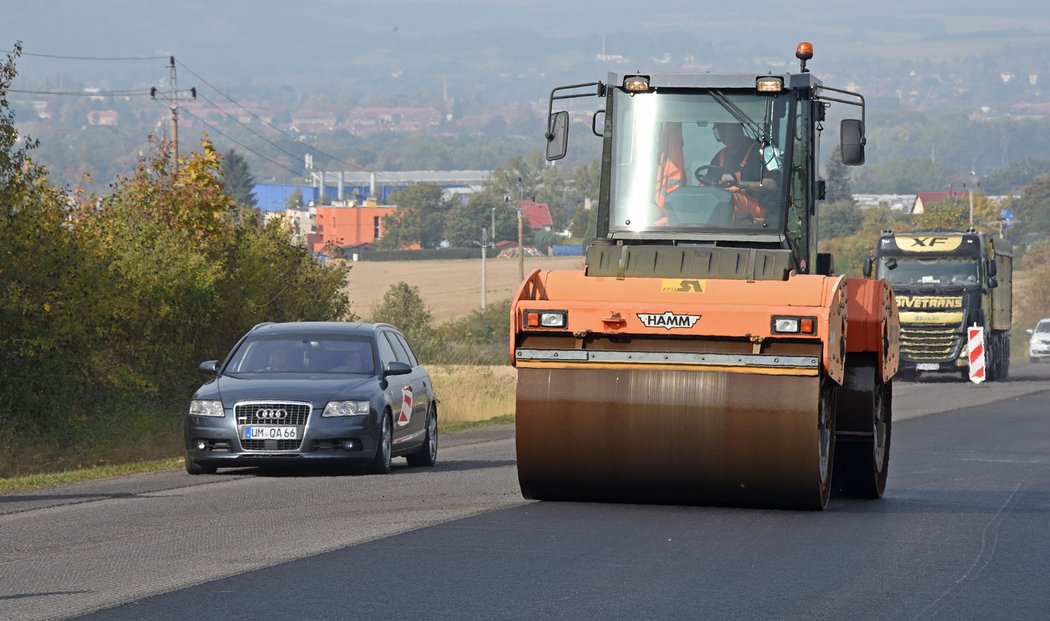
x: 311, y: 41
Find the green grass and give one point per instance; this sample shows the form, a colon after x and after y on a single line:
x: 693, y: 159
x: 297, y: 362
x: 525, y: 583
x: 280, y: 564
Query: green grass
x: 93, y: 473
x: 506, y: 419
x: 51, y: 479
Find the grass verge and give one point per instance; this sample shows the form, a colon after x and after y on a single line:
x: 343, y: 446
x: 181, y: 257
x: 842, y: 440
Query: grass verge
x: 469, y: 396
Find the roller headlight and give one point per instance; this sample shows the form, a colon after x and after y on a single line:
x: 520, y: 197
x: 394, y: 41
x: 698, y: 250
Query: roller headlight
x: 794, y: 325
x: 546, y: 319
x: 346, y: 408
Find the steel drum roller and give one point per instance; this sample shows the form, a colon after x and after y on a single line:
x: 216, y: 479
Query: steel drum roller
x: 674, y: 436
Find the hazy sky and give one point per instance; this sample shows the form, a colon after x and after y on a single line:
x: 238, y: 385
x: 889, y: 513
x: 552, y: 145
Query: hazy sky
x: 321, y: 42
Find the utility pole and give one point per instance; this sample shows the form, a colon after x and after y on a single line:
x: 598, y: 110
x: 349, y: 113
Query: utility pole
x: 173, y: 105
x: 484, y: 272
x: 973, y: 184
x: 521, y: 247
x: 521, y: 237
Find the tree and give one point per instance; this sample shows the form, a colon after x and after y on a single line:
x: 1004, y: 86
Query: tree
x: 838, y: 179
x: 1013, y: 178
x: 1032, y: 209
x: 419, y: 219
x: 904, y: 176
x: 464, y: 222
x: 838, y: 219
x: 237, y: 179
x: 294, y: 200
x: 402, y: 306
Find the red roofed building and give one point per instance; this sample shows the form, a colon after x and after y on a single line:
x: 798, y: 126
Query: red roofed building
x: 926, y: 199
x: 538, y: 215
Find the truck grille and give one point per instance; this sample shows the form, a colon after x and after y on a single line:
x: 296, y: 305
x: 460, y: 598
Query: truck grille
x: 930, y: 343
x: 283, y: 413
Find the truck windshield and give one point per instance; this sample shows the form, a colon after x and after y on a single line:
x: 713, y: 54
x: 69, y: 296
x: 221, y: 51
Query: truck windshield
x: 928, y: 271
x: 698, y: 160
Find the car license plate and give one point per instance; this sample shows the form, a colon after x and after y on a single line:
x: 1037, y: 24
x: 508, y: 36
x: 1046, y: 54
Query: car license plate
x: 928, y: 366
x: 270, y: 432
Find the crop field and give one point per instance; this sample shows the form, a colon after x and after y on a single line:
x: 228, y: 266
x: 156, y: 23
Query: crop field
x: 451, y: 289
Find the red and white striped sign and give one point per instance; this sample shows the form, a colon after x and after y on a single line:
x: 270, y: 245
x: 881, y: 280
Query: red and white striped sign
x: 975, y: 348
x: 405, y: 416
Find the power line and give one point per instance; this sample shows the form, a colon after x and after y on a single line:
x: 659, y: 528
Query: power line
x: 127, y: 93
x: 106, y: 58
x: 250, y: 128
x: 242, y: 145
x: 268, y: 124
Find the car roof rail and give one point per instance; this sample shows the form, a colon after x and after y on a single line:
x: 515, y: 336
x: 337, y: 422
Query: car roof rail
x: 259, y: 325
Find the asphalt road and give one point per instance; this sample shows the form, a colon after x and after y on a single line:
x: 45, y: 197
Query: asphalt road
x: 963, y: 532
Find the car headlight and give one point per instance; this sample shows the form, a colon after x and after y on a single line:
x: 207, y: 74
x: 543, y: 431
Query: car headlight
x: 206, y: 408
x: 345, y: 408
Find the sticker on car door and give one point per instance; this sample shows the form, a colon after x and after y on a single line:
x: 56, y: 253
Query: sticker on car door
x: 405, y: 416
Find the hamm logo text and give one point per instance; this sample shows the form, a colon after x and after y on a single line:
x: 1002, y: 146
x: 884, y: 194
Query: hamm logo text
x: 668, y: 320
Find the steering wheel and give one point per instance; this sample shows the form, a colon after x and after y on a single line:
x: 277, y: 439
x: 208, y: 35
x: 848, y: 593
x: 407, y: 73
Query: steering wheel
x: 709, y: 174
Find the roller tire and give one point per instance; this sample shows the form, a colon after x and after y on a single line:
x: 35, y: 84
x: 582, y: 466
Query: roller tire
x: 826, y: 442
x: 862, y: 466
x: 380, y: 464
x: 426, y: 456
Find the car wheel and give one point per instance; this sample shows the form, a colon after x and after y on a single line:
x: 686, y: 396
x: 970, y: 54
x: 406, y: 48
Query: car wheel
x: 380, y: 464
x: 195, y: 467
x: 427, y: 454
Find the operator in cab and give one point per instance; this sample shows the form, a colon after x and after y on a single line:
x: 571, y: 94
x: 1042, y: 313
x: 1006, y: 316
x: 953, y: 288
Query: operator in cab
x: 742, y: 170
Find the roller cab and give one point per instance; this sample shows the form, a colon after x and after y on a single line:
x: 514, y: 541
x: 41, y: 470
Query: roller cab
x: 700, y: 356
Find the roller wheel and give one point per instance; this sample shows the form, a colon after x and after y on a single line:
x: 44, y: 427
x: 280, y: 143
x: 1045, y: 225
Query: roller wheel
x: 428, y: 453
x: 826, y: 440
x: 863, y: 447
x: 380, y: 464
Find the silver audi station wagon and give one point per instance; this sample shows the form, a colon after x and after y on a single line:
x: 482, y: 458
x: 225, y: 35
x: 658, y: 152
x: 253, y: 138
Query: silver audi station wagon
x: 348, y: 393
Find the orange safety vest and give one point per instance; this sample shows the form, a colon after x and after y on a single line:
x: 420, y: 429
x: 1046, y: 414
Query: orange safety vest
x: 746, y: 208
x: 669, y: 174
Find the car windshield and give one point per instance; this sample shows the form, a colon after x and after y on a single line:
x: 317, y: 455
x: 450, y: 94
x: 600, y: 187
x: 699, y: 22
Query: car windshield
x: 298, y: 353
x: 693, y: 160
x: 928, y: 271
x: 1043, y: 327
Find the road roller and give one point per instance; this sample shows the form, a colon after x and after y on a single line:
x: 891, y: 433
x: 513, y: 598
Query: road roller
x: 706, y: 354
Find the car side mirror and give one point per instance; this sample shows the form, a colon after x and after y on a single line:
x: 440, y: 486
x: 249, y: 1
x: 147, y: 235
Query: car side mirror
x: 993, y: 283
x: 557, y: 135
x: 209, y: 367
x: 992, y: 268
x: 396, y: 368
x: 868, y: 262
x: 1030, y: 331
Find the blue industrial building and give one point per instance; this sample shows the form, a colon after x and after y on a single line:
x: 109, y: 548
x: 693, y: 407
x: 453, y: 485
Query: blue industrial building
x: 357, y: 187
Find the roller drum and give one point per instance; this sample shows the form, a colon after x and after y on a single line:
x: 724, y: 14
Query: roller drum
x: 675, y: 436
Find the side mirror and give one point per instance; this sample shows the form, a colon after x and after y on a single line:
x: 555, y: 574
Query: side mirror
x: 868, y: 263
x: 825, y: 264
x: 852, y: 141
x: 1030, y: 331
x: 396, y: 368
x: 209, y: 367
x: 993, y: 283
x: 557, y: 135
x: 992, y: 268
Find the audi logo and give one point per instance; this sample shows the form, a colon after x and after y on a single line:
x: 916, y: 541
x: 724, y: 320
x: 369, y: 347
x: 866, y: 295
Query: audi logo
x: 271, y: 413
